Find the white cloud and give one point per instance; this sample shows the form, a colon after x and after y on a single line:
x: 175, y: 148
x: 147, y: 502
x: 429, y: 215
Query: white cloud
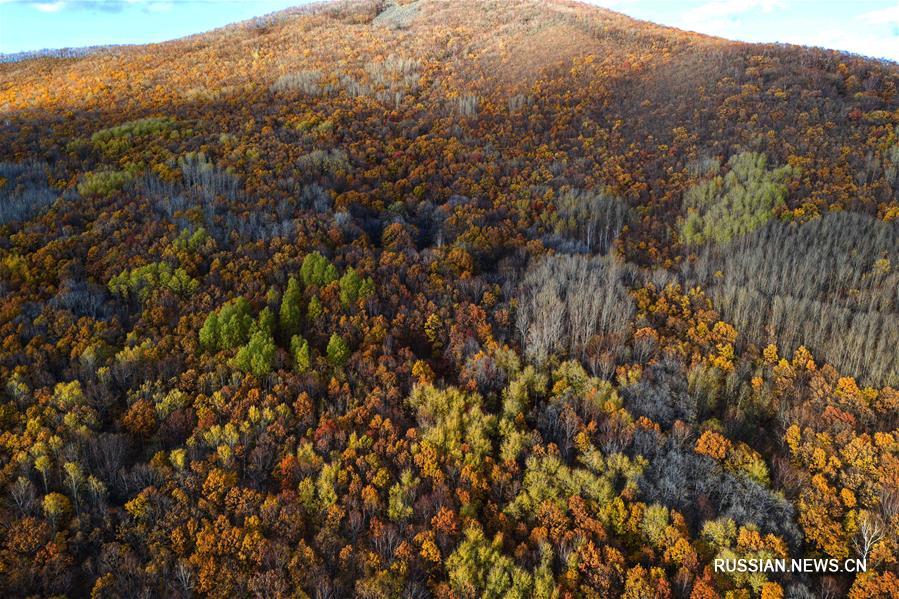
x: 724, y: 17
x: 50, y: 6
x: 719, y: 9
x: 884, y: 16
x: 874, y: 33
x: 866, y: 43
x: 157, y: 6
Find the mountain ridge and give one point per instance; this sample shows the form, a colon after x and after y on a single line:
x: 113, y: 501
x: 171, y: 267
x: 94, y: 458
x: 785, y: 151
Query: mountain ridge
x: 280, y: 16
x: 451, y: 300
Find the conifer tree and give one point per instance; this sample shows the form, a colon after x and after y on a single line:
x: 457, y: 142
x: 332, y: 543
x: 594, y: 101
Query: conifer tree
x: 291, y: 312
x: 338, y: 350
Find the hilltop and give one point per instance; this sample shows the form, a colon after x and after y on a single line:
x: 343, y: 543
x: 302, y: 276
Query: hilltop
x: 453, y: 299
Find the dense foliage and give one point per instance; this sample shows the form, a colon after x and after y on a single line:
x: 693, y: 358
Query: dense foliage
x: 447, y: 299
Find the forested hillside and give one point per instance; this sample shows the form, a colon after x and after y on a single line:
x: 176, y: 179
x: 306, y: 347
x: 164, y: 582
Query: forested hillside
x: 448, y: 299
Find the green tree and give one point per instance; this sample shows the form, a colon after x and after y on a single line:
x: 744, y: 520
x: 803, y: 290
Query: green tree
x: 142, y: 281
x: 317, y: 270
x: 353, y: 287
x: 549, y: 479
x: 235, y: 322
x: 399, y: 502
x: 454, y: 423
x: 257, y: 355
x: 291, y: 313
x: 745, y: 198
x: 210, y: 332
x: 655, y: 520
x: 326, y: 485
x: 478, y: 568
x: 544, y: 581
x: 229, y: 327
x: 314, y: 311
x: 338, y: 350
x: 103, y: 182
x: 265, y: 322
x: 299, y: 349
x: 720, y: 533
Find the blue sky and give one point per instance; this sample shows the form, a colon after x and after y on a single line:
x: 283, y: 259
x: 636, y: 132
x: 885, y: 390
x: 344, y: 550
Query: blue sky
x: 869, y: 27
x: 38, y: 24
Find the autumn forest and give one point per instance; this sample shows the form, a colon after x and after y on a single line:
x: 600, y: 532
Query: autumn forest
x: 414, y: 299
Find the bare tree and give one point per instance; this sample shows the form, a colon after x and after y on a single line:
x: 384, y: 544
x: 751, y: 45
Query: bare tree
x: 26, y: 191
x: 593, y: 218
x: 564, y: 301
x: 23, y: 495
x: 889, y: 502
x: 870, y: 532
x: 185, y: 578
x: 829, y: 284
